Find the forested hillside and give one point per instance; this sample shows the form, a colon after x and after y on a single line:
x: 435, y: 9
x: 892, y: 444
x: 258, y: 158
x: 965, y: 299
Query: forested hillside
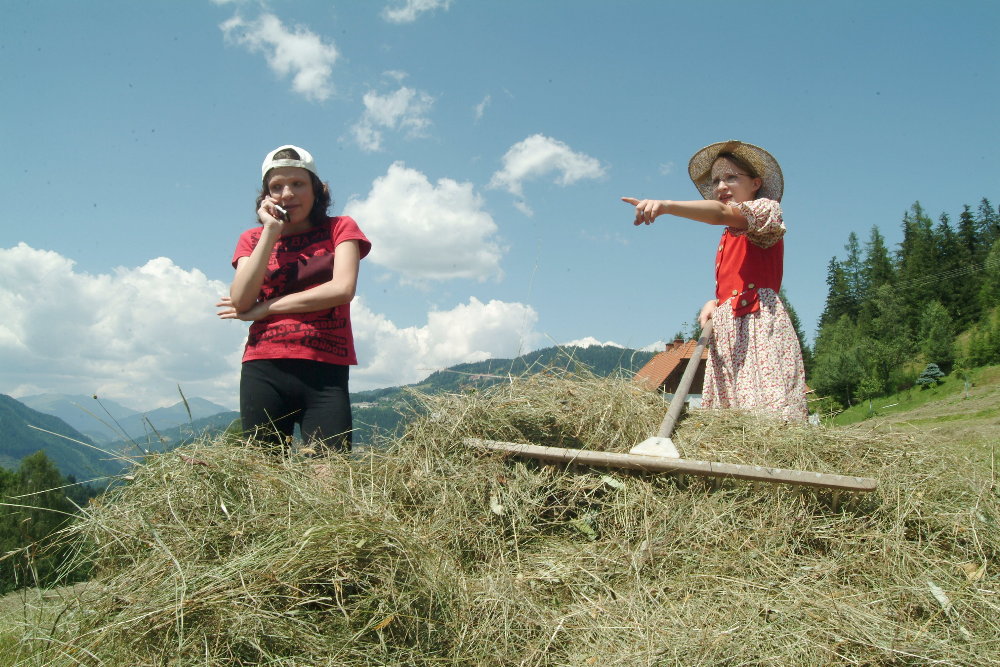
x: 24, y: 431
x: 890, y: 313
x: 35, y: 501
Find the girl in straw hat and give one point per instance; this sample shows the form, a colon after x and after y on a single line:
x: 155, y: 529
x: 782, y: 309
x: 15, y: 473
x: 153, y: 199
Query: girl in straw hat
x: 755, y: 362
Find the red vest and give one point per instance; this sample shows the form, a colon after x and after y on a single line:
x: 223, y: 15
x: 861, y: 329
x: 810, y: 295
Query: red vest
x: 742, y: 268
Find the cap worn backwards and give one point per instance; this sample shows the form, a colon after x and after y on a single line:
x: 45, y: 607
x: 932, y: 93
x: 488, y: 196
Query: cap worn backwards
x: 305, y: 161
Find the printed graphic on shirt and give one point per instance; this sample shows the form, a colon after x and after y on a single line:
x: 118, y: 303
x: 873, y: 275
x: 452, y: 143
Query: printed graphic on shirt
x: 297, y: 263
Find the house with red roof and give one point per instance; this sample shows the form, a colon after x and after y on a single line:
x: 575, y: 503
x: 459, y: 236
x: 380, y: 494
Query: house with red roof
x: 663, y: 372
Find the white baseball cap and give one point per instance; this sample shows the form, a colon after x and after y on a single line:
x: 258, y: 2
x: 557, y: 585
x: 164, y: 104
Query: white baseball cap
x: 305, y: 161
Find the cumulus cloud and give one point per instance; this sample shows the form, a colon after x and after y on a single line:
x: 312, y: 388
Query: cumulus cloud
x: 134, y: 334
x: 131, y: 335
x: 297, y: 52
x: 469, y: 332
x: 407, y: 11
x: 539, y: 156
x: 404, y: 110
x: 427, y: 232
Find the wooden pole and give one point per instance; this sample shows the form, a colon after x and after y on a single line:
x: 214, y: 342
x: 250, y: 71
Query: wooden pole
x: 669, y: 465
x: 677, y: 403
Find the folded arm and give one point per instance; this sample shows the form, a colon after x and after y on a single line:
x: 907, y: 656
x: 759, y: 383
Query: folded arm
x: 340, y: 289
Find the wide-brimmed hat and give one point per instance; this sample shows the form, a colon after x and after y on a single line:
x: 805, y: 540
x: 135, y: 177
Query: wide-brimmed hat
x: 768, y: 169
x: 305, y: 161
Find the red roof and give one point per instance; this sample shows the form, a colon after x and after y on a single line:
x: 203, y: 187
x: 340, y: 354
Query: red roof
x: 663, y: 372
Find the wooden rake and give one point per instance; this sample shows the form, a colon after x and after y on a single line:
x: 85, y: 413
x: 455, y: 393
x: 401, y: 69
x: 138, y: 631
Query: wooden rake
x: 658, y: 454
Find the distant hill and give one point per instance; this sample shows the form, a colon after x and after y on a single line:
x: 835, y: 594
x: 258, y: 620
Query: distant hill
x: 161, y: 419
x: 18, y: 439
x: 380, y: 409
x: 105, y: 421
x: 82, y: 412
x: 600, y: 360
x: 170, y: 438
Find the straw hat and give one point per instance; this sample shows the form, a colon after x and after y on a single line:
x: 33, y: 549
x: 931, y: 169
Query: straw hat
x: 700, y: 167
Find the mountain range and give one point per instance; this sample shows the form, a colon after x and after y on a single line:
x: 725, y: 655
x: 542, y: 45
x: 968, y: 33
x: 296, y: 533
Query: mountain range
x: 92, y: 439
x: 105, y: 421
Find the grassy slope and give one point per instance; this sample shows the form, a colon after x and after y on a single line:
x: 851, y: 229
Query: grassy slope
x: 950, y: 414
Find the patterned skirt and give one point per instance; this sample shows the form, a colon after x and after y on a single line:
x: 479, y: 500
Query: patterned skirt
x: 755, y: 361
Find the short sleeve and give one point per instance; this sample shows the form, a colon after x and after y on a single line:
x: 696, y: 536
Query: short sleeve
x: 346, y: 229
x: 246, y: 244
x: 765, y: 226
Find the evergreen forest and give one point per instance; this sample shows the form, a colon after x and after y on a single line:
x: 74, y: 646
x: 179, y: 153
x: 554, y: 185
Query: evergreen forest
x: 37, y: 501
x: 891, y: 314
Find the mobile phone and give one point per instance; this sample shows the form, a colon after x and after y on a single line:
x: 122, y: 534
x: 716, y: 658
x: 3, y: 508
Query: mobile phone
x: 282, y: 213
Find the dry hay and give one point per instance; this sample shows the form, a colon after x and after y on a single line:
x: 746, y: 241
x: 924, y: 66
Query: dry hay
x: 429, y: 553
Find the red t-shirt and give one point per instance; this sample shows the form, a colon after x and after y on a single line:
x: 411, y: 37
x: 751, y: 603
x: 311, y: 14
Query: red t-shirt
x: 299, y: 262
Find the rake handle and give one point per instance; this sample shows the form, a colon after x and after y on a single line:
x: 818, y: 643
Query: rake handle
x: 677, y: 403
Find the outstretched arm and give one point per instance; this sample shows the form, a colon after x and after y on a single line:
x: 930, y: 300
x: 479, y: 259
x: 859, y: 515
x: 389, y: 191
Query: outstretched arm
x: 336, y: 291
x: 704, y: 210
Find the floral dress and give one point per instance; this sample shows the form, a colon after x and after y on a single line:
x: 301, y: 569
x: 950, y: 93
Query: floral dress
x: 755, y: 359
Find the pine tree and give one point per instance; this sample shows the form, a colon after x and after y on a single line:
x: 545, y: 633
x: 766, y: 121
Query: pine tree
x: 878, y: 271
x: 947, y: 267
x: 877, y: 265
x: 937, y: 336
x: 989, y: 290
x: 969, y: 254
x: 969, y: 237
x: 930, y: 376
x: 987, y: 223
x: 838, y: 294
x: 888, y: 342
x: 838, y: 366
x: 854, y: 275
x: 917, y: 264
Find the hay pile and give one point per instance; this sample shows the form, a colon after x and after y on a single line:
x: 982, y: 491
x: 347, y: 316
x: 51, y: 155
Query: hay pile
x: 428, y: 553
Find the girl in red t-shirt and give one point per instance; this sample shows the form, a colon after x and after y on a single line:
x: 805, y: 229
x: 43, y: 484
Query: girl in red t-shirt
x: 296, y: 275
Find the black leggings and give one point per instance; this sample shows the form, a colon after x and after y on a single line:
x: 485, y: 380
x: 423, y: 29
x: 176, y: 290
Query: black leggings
x: 275, y: 394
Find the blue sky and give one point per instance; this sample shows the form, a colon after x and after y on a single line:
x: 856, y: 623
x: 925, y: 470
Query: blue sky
x: 482, y: 145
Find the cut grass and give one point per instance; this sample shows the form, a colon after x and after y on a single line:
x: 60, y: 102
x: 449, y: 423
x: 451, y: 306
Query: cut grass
x: 429, y: 553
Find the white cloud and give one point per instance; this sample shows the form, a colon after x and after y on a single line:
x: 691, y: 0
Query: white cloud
x: 134, y: 334
x: 407, y: 11
x: 131, y: 335
x: 474, y: 331
x: 404, y: 110
x: 480, y: 108
x: 298, y: 53
x: 537, y: 157
x: 425, y: 231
